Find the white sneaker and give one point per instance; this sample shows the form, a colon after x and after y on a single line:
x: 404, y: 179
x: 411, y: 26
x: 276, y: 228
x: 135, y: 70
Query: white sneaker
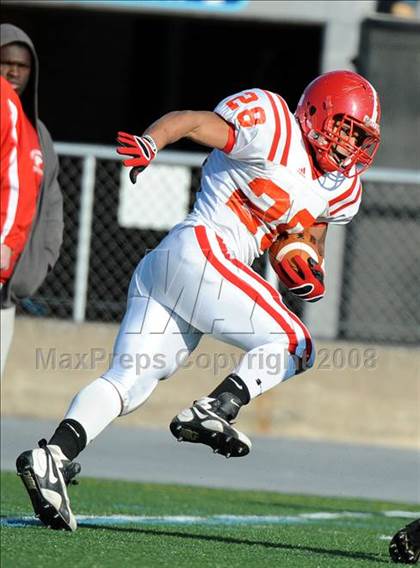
x: 45, y: 472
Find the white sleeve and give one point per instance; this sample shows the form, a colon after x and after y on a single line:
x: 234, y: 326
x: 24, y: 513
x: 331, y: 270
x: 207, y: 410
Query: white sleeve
x: 343, y: 211
x: 342, y: 219
x: 249, y: 113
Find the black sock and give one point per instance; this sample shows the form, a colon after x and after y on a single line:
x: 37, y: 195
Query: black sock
x: 234, y: 385
x: 71, y: 437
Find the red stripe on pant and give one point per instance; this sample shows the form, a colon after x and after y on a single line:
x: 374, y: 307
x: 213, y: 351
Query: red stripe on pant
x: 274, y: 294
x: 205, y: 246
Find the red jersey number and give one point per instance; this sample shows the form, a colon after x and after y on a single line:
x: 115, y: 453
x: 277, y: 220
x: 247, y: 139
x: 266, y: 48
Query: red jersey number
x: 249, y: 116
x: 253, y: 217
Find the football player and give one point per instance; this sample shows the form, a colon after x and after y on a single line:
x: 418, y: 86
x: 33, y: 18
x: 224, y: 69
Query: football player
x: 270, y: 171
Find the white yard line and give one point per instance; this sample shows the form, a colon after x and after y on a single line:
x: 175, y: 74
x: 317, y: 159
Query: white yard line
x: 230, y: 520
x: 404, y: 514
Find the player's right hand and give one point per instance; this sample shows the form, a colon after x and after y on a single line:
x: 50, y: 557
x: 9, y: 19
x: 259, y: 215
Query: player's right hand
x: 303, y: 278
x: 142, y: 150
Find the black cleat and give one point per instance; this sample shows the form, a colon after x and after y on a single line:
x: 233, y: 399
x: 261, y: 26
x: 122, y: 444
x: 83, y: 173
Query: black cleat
x: 405, y: 544
x: 208, y: 422
x: 70, y: 471
x: 46, y: 472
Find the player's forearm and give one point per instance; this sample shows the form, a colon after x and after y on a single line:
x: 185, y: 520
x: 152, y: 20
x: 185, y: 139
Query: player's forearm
x: 201, y: 126
x: 319, y: 233
x: 170, y: 128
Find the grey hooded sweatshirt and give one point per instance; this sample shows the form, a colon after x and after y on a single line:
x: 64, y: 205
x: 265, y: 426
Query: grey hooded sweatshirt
x: 42, y: 247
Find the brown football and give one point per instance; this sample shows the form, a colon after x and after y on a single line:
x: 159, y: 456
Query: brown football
x: 298, y: 244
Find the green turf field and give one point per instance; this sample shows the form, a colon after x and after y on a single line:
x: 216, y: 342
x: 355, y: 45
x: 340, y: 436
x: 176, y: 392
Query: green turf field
x: 146, y: 525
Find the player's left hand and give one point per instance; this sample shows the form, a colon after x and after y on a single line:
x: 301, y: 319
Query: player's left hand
x: 306, y: 280
x: 142, y: 150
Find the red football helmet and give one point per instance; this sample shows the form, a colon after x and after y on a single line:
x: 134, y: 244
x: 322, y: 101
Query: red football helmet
x: 339, y: 114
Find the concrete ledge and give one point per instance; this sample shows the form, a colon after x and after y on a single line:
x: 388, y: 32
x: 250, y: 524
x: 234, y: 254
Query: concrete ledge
x: 362, y: 394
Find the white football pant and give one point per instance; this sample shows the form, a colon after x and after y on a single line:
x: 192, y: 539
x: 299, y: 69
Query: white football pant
x: 189, y: 286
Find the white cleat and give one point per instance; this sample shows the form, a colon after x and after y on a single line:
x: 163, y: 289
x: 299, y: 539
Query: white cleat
x: 45, y: 473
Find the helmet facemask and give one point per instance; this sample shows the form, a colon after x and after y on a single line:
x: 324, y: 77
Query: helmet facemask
x: 344, y: 142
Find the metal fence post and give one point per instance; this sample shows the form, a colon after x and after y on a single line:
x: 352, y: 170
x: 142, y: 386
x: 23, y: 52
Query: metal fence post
x: 84, y: 237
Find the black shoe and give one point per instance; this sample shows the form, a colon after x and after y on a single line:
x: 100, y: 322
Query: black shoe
x: 405, y: 545
x: 46, y: 472
x: 70, y: 470
x: 208, y: 422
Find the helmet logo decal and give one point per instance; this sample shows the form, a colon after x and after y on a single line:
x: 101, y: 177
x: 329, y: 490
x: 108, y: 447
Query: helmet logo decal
x: 370, y: 123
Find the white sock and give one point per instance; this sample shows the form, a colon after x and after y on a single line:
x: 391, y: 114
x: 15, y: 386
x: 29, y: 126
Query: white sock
x: 95, y: 406
x: 265, y: 367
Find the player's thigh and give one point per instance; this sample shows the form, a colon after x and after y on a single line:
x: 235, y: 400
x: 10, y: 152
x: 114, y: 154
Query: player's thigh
x: 152, y: 341
x: 193, y: 275
x: 185, y: 275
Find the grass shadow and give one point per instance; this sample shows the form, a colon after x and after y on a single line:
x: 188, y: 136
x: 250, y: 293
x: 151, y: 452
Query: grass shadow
x: 240, y: 541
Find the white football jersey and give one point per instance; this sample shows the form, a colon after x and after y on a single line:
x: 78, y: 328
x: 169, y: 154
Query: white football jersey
x: 264, y: 182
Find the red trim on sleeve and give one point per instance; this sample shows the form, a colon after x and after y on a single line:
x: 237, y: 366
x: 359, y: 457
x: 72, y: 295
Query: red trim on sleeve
x: 349, y: 203
x: 231, y: 139
x: 345, y: 194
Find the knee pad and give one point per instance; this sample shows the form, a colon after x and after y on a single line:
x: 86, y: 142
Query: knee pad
x: 133, y: 392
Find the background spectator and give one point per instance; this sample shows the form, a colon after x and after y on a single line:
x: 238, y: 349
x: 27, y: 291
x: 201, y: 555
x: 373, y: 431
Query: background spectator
x: 39, y: 202
x: 402, y: 9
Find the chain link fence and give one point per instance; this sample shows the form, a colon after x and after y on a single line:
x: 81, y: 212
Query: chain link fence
x: 109, y: 228
x: 381, y: 278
